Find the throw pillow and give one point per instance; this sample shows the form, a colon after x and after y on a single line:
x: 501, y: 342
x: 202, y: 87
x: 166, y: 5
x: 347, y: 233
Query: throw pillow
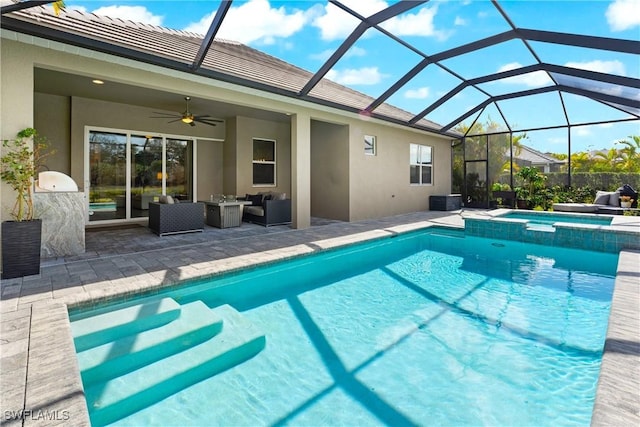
x: 614, y: 199
x: 602, y: 198
x: 255, y: 199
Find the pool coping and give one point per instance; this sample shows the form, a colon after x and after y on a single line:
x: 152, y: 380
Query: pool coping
x: 54, y: 392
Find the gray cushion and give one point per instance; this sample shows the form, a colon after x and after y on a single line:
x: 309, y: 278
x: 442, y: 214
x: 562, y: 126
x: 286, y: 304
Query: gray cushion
x: 603, y: 197
x: 575, y: 207
x: 254, y: 210
x: 166, y: 199
x: 614, y: 199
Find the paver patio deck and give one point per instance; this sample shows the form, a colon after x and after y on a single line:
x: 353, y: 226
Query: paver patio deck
x: 38, y: 367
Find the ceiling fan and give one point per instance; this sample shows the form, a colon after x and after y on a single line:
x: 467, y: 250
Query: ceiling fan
x: 187, y: 116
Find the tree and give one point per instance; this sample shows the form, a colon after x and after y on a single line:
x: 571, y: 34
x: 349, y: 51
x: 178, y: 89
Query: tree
x: 630, y: 153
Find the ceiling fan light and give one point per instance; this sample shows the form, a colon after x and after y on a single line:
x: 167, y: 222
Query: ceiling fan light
x: 187, y: 119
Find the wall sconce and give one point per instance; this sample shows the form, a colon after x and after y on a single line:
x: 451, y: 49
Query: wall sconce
x: 159, y: 176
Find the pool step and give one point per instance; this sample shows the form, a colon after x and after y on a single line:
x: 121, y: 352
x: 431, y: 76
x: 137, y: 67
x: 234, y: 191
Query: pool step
x: 196, y: 324
x: 103, y: 328
x: 117, y: 398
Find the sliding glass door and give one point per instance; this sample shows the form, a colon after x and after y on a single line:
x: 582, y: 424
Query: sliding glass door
x: 146, y: 173
x: 107, y: 176
x: 129, y: 170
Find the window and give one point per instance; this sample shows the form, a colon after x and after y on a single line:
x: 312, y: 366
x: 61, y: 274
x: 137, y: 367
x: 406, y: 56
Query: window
x: 370, y: 145
x: 264, y: 162
x: 420, y: 164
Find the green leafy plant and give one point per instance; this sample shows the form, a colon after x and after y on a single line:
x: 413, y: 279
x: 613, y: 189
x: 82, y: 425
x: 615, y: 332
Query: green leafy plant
x: 19, y: 167
x: 533, y: 190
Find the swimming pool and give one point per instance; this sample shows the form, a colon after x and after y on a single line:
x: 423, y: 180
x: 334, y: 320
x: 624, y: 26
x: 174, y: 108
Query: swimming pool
x: 418, y: 329
x: 548, y: 218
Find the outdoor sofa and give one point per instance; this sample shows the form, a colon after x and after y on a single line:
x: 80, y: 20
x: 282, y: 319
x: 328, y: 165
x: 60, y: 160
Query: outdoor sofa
x: 272, y: 208
x: 171, y: 217
x: 606, y: 202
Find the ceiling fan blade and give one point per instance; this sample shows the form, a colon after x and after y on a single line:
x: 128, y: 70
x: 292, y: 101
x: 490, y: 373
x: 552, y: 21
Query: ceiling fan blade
x: 187, y: 114
x: 204, y: 121
x: 206, y: 117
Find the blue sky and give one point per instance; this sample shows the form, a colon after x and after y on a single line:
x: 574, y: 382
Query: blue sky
x: 305, y: 33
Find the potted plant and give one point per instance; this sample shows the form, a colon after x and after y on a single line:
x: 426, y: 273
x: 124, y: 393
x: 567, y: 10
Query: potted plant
x: 531, y: 193
x: 21, y: 237
x: 626, y: 201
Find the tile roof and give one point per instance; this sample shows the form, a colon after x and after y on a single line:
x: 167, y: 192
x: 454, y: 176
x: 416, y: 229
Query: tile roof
x: 534, y: 156
x: 243, y: 64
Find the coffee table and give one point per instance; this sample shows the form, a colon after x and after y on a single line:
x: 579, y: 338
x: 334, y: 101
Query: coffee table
x: 225, y: 214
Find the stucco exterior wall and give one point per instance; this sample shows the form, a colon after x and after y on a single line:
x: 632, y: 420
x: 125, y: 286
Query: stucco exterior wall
x: 249, y: 128
x: 16, y: 106
x: 230, y: 158
x: 379, y: 185
x: 329, y: 170
x: 209, y: 163
x: 52, y: 118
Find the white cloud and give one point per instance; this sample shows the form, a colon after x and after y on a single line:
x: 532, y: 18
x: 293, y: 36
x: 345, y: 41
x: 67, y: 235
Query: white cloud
x: 557, y: 140
x: 326, y: 54
x: 131, y: 13
x: 322, y: 56
x: 420, y: 93
x: 583, y: 130
x: 415, y: 24
x: 335, y: 23
x: 623, y: 14
x: 255, y: 21
x: 610, y: 67
x: 460, y: 21
x: 534, y: 79
x: 355, y: 51
x: 352, y: 76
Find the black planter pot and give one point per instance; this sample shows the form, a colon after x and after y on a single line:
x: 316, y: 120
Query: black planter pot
x: 21, y: 248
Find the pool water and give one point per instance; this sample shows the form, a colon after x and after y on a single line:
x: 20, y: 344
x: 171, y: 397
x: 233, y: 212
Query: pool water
x: 544, y: 218
x: 421, y: 329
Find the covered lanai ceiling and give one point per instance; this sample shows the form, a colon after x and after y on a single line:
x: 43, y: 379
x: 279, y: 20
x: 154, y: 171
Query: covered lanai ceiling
x: 541, y: 78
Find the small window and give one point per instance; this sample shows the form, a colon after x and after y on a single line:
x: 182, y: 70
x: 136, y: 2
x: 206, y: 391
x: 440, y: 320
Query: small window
x: 370, y: 145
x: 420, y: 165
x: 264, y: 162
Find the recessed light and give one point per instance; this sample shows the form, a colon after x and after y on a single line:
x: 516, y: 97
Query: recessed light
x: 97, y: 81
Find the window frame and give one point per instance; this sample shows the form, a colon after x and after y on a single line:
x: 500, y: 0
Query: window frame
x: 372, y: 142
x: 421, y: 165
x: 264, y: 162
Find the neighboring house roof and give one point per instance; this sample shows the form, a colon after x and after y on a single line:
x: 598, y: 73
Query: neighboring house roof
x: 245, y: 65
x: 535, y: 157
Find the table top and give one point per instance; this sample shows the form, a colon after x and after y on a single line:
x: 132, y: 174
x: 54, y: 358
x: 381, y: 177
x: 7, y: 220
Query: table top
x: 235, y: 203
